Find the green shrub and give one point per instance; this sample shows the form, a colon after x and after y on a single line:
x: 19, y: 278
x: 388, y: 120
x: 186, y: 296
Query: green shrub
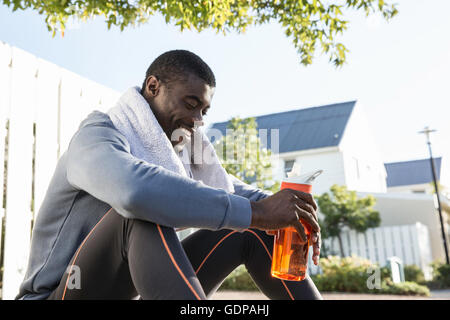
x: 385, y: 273
x: 414, y: 274
x: 240, y: 280
x: 441, y: 276
x: 405, y: 288
x: 349, y: 274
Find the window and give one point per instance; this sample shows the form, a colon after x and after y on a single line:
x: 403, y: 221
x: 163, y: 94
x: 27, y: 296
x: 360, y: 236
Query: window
x: 288, y: 164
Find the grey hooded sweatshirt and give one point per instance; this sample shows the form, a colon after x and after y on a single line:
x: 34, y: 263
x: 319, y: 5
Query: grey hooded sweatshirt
x: 98, y: 172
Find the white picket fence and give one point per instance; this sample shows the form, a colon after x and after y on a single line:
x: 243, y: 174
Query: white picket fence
x: 35, y: 94
x: 410, y: 243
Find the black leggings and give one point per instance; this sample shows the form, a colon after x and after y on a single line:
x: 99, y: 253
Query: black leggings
x: 124, y: 258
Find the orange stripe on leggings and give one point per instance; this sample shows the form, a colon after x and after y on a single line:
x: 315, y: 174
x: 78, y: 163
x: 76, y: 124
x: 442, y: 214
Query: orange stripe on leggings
x: 260, y: 240
x: 214, y: 248
x: 270, y: 256
x: 78, y: 251
x: 175, y: 263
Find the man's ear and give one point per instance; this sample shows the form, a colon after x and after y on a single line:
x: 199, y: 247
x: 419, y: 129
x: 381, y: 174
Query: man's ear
x: 152, y: 86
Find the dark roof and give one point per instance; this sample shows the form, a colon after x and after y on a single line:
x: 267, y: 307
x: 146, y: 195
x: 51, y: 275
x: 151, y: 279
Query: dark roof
x: 303, y: 129
x: 411, y: 172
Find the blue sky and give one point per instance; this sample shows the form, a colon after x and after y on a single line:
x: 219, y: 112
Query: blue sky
x: 398, y: 71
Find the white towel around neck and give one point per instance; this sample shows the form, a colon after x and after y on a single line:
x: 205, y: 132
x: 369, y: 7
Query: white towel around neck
x: 134, y: 118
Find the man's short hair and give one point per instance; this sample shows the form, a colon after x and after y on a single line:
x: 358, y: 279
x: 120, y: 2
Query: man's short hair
x: 177, y: 65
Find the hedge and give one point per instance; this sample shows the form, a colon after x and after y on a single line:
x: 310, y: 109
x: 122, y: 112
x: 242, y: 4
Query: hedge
x: 347, y: 274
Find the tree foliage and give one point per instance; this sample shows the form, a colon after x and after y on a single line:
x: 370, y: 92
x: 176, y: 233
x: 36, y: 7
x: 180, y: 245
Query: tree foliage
x: 308, y: 23
x: 343, y: 209
x: 243, y: 155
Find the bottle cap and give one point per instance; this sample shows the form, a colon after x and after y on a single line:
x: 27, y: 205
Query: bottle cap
x: 307, y: 178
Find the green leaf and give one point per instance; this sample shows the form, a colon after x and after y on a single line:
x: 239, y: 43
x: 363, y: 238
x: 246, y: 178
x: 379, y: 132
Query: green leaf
x: 303, y: 21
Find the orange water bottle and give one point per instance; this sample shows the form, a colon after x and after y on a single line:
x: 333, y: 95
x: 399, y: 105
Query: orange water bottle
x: 290, y: 252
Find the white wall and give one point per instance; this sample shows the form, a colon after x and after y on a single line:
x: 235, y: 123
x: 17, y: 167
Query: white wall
x: 364, y: 170
x: 427, y: 188
x: 403, y: 208
x: 328, y: 159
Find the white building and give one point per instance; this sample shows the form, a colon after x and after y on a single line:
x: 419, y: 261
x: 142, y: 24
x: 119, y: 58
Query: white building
x: 335, y: 138
x: 411, y: 198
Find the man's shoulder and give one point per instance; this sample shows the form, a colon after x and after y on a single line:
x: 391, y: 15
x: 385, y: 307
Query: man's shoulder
x: 98, y: 118
x: 98, y: 125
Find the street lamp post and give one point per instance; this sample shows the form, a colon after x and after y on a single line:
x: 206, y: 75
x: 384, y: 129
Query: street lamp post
x: 427, y: 132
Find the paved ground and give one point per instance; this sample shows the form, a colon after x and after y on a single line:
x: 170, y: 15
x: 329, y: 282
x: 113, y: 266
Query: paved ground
x: 252, y: 295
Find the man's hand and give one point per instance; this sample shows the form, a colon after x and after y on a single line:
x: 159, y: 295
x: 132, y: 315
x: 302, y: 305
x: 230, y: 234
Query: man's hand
x: 284, y: 209
x: 317, y: 242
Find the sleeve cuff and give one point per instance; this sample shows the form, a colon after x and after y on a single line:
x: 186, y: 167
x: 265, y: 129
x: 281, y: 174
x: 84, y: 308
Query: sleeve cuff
x: 239, y: 213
